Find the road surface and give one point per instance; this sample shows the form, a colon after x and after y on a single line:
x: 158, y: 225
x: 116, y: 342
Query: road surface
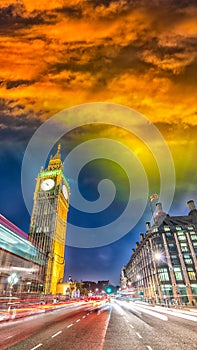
x: 118, y: 325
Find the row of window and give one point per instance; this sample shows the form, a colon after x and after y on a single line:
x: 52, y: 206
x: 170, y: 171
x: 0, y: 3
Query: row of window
x: 163, y: 274
x: 177, y: 228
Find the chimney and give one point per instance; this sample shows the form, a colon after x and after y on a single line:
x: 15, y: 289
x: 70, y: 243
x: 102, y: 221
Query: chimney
x: 159, y: 208
x: 133, y: 251
x: 191, y: 205
x: 147, y: 225
x: 141, y: 237
x: 137, y: 244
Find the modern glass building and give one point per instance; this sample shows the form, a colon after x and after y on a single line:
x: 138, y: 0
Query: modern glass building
x: 22, y: 266
x: 163, y: 266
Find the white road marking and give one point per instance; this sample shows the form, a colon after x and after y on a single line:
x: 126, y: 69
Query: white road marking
x: 131, y: 326
x: 149, y: 347
x: 87, y: 314
x: 127, y: 320
x: 37, y: 346
x: 54, y: 335
x: 138, y: 335
x: 70, y: 325
x: 78, y: 320
x: 84, y: 317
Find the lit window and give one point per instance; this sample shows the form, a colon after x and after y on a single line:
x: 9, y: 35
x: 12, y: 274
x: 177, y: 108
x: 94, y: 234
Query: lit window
x: 178, y: 274
x: 178, y: 228
x: 180, y: 233
x: 193, y: 237
x: 172, y: 247
x: 155, y: 230
x: 195, y: 244
x: 163, y: 274
x: 166, y: 228
x: 182, y: 238
x: 191, y: 273
x: 175, y: 259
x: 169, y: 234
x: 192, y: 276
x: 184, y: 247
x: 188, y: 261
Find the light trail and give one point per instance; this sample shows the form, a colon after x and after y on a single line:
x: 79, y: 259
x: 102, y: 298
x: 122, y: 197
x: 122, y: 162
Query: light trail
x: 145, y: 310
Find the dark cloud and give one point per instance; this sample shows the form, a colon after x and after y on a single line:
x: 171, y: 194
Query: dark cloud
x: 104, y: 63
x: 15, y: 122
x: 188, y: 77
x: 106, y: 3
x: 72, y: 12
x: 10, y: 84
x: 108, y: 59
x: 15, y: 17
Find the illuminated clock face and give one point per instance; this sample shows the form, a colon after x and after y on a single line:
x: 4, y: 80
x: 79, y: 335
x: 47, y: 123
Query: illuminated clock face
x: 65, y: 191
x: 47, y: 184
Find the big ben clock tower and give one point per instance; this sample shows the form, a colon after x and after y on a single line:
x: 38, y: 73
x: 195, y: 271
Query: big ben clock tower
x: 48, y: 220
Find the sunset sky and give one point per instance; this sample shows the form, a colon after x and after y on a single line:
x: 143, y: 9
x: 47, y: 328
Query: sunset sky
x: 137, y: 53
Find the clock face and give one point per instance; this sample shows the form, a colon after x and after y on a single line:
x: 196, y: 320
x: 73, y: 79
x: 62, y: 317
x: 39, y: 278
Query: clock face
x: 65, y: 191
x: 47, y: 184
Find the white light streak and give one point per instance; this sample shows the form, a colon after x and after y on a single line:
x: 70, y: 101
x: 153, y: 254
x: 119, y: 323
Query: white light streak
x: 146, y: 310
x: 179, y: 314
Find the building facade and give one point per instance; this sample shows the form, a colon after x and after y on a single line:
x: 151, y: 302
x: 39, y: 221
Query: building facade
x: 20, y: 269
x: 163, y: 266
x: 48, y: 221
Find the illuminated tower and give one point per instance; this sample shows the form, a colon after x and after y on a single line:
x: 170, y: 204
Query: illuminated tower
x: 48, y: 220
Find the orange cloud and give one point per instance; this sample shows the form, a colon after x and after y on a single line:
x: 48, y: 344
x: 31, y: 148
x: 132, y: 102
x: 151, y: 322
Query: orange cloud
x: 54, y: 56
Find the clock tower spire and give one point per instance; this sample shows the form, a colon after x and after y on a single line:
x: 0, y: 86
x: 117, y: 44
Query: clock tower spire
x: 55, y: 161
x: 48, y: 220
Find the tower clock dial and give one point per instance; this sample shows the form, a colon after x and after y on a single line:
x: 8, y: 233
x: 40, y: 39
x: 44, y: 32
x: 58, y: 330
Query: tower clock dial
x: 47, y: 184
x: 65, y: 191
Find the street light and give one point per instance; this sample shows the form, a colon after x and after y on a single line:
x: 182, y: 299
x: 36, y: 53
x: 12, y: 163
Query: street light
x: 12, y: 279
x: 158, y: 256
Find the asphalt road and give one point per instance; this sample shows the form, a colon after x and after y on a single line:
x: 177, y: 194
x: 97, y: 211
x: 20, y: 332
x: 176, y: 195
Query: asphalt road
x: 76, y: 327
x: 130, y: 327
x: 115, y: 326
